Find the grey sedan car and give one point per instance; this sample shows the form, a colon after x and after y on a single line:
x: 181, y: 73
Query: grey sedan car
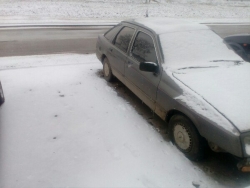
x: 186, y: 74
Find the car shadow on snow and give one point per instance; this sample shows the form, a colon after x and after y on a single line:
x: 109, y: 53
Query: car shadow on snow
x: 222, y: 167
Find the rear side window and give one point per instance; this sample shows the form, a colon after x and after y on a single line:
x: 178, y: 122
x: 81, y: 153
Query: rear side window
x: 112, y: 33
x: 123, y: 38
x: 143, y: 49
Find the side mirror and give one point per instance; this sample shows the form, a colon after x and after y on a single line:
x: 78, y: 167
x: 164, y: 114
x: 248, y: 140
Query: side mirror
x: 148, y: 67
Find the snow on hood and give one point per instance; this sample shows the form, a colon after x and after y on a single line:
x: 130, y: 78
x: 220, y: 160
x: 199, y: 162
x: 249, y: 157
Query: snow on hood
x: 226, y: 88
x: 194, y: 48
x: 212, y: 85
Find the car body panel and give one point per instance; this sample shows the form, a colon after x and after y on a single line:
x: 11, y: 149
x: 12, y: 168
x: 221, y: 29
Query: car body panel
x: 232, y: 102
x: 168, y: 90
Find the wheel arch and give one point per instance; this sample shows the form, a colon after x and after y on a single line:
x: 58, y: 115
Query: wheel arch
x: 103, y: 57
x: 197, y: 146
x: 173, y: 112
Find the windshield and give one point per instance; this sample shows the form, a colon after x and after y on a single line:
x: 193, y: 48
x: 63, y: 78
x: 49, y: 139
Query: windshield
x: 194, y: 48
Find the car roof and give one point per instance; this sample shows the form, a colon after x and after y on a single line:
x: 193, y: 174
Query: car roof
x: 166, y: 25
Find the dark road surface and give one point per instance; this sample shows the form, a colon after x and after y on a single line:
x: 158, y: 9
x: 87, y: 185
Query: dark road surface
x: 38, y: 41
x: 220, y: 167
x: 78, y: 39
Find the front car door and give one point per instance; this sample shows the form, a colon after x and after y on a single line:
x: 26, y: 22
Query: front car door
x: 143, y: 50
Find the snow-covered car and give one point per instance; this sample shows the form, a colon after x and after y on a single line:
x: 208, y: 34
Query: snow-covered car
x: 1, y: 94
x: 240, y: 44
x: 186, y: 74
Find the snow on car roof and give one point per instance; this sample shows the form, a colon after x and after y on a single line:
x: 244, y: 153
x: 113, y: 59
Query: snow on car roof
x: 166, y: 25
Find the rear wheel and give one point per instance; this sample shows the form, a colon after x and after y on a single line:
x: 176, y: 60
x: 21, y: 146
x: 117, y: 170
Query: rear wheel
x: 186, y: 137
x: 107, y: 72
x: 1, y: 95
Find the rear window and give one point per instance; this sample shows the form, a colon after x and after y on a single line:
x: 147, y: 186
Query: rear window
x: 112, y: 33
x: 123, y: 38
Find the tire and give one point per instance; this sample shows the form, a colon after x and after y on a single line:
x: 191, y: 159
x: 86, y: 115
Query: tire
x: 107, y: 72
x: 187, y: 139
x: 2, y: 99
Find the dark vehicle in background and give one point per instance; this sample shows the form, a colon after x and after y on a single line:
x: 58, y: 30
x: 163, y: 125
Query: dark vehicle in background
x: 186, y: 74
x: 1, y: 94
x: 240, y: 44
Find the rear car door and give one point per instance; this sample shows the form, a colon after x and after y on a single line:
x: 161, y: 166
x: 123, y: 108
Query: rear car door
x: 143, y: 50
x: 117, y: 53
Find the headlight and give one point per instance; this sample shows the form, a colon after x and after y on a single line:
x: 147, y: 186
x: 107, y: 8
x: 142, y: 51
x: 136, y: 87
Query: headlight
x: 247, y: 144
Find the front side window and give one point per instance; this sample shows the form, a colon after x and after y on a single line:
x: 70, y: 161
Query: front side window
x: 143, y: 49
x: 123, y: 38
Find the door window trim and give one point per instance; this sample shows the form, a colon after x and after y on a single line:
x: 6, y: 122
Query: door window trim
x: 156, y: 51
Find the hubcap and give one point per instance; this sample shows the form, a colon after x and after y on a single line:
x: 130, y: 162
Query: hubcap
x: 182, y: 137
x: 106, y: 69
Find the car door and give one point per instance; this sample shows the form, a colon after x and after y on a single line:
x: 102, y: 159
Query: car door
x: 143, y: 49
x: 117, y: 53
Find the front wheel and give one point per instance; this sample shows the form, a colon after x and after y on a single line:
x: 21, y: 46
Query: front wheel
x: 186, y: 137
x: 107, y: 72
x: 2, y: 99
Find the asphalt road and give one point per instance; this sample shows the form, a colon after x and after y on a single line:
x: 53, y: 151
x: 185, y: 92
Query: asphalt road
x: 18, y: 41
x: 35, y: 41
x: 49, y: 40
x: 224, y: 30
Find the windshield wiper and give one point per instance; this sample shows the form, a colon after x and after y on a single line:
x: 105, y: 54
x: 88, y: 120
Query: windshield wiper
x: 198, y: 67
x: 221, y: 60
x: 237, y: 62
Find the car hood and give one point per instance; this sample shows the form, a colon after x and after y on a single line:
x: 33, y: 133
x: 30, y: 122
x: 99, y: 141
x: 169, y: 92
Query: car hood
x: 225, y: 88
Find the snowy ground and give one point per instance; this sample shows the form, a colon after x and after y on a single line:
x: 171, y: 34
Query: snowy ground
x: 35, y: 11
x: 63, y: 126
